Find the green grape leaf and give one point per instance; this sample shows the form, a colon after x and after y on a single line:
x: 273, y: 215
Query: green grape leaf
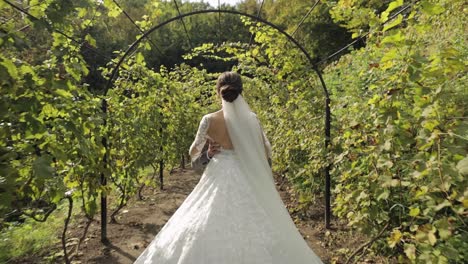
x: 42, y: 168
x: 431, y: 8
x: 462, y: 166
x: 10, y: 67
x: 394, y: 23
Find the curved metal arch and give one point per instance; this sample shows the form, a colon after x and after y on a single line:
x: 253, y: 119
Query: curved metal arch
x: 290, y: 38
x: 147, y: 33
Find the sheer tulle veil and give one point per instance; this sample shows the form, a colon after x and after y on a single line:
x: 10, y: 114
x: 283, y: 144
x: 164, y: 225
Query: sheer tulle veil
x: 246, y: 135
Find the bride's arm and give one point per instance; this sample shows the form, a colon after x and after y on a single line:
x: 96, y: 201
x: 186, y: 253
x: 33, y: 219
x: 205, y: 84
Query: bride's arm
x: 200, y: 139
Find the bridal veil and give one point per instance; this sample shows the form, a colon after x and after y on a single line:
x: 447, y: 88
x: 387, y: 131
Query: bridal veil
x: 245, y: 133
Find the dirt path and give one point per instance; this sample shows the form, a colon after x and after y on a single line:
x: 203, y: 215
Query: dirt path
x: 140, y: 221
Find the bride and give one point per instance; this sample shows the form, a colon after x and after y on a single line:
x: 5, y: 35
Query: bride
x: 234, y: 215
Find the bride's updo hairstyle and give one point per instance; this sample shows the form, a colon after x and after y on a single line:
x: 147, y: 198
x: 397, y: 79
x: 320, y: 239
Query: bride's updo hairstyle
x: 229, y: 86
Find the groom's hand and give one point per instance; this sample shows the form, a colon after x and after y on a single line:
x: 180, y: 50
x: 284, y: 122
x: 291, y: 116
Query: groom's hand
x: 213, y: 149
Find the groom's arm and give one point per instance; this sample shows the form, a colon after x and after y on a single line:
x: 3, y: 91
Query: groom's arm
x: 200, y: 163
x: 202, y: 160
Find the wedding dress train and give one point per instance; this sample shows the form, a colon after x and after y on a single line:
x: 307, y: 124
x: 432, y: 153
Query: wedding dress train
x: 230, y: 218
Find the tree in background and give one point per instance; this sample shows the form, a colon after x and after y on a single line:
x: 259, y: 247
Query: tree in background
x: 319, y: 33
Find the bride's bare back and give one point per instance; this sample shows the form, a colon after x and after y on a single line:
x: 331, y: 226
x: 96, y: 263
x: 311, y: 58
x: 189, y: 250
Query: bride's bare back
x: 218, y: 133
x: 213, y: 128
x: 217, y: 130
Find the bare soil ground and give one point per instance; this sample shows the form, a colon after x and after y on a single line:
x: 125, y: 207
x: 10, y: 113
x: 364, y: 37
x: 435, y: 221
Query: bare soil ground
x: 140, y: 221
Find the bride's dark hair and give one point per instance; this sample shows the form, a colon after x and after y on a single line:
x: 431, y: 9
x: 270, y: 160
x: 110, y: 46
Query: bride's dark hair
x: 229, y: 85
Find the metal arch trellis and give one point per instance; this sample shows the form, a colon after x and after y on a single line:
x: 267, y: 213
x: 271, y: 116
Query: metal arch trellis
x: 183, y: 24
x: 138, y: 27
x: 51, y: 28
x: 331, y: 56
x: 305, y: 17
x: 311, y: 60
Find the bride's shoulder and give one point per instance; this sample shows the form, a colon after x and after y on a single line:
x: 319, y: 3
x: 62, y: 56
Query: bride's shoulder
x: 214, y: 114
x: 219, y: 113
x: 207, y: 117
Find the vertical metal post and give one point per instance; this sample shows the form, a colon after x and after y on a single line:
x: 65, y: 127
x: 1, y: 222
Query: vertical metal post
x: 103, y: 178
x: 182, y: 162
x: 327, y: 144
x: 327, y: 168
x: 161, y: 161
x: 161, y: 174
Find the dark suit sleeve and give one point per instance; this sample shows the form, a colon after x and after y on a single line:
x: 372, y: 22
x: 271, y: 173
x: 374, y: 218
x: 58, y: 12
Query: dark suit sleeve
x: 201, y: 161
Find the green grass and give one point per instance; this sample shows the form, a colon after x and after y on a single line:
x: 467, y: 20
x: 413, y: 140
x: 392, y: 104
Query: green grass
x: 32, y: 237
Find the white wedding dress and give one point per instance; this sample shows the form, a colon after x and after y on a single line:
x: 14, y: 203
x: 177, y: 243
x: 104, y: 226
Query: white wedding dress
x: 234, y: 215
